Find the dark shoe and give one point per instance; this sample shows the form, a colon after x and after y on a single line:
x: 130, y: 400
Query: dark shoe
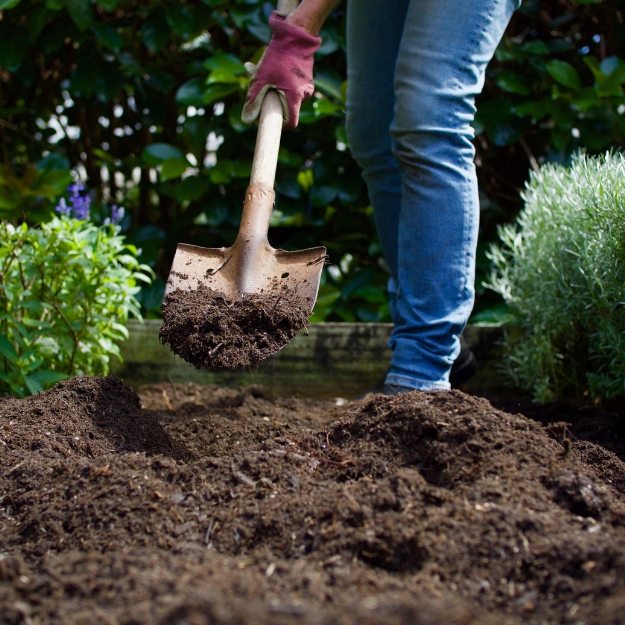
x: 463, y: 368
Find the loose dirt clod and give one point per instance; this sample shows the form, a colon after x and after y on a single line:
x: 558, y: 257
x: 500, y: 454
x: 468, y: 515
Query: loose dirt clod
x: 207, y: 329
x: 226, y: 507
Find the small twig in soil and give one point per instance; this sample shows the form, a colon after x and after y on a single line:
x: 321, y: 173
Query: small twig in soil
x: 208, y: 532
x: 277, y: 302
x: 316, y: 261
x: 244, y: 479
x: 166, y: 400
x: 212, y: 272
x: 212, y: 351
x: 17, y: 466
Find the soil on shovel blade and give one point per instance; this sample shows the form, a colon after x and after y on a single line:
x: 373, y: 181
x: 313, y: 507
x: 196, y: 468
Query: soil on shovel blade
x: 208, y: 329
x: 213, y: 506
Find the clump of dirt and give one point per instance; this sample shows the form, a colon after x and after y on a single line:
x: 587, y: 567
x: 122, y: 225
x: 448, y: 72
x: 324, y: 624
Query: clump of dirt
x: 421, y: 509
x: 208, y: 329
x: 83, y: 417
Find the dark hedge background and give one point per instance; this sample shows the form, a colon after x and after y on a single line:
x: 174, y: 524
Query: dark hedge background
x: 136, y: 89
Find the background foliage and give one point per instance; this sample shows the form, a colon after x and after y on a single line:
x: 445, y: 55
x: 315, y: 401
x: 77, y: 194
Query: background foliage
x: 145, y: 96
x: 562, y: 270
x: 67, y: 289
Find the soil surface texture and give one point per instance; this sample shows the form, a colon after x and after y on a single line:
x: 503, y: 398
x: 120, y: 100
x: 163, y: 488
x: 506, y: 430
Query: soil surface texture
x: 213, y: 506
x: 208, y: 329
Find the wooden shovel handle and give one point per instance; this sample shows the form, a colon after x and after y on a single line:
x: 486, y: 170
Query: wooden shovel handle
x: 269, y: 126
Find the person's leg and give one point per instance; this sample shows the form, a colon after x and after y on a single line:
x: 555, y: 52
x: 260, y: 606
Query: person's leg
x: 445, y: 48
x: 374, y: 32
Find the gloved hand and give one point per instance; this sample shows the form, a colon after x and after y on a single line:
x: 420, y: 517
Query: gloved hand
x: 287, y: 66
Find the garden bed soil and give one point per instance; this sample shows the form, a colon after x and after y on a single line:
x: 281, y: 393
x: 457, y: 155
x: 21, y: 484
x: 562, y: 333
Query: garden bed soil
x: 210, y: 330
x: 222, y: 506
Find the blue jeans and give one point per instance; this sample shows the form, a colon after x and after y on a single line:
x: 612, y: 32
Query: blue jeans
x: 414, y: 69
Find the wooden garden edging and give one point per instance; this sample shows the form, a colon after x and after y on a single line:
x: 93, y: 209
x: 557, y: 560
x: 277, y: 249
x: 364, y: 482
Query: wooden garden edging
x: 334, y: 360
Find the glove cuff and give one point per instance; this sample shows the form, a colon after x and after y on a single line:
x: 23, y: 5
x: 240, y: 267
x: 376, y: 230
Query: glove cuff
x: 291, y: 40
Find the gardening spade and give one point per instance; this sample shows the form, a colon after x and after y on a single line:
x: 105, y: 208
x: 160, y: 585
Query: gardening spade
x: 251, y: 265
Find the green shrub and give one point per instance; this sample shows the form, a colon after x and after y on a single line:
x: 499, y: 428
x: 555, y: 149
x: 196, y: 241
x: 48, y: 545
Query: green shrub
x: 562, y: 270
x: 67, y: 287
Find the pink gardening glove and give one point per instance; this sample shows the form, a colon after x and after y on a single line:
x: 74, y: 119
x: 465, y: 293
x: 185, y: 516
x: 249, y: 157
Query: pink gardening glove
x: 286, y: 65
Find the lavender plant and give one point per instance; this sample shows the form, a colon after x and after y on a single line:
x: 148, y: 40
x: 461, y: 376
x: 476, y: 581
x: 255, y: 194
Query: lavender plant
x: 561, y: 268
x: 66, y: 289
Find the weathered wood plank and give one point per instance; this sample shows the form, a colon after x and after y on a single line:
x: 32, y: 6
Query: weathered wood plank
x: 334, y: 360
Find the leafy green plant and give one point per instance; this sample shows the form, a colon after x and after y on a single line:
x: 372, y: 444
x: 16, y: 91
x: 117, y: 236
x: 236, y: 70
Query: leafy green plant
x: 29, y: 195
x: 561, y: 269
x: 66, y: 289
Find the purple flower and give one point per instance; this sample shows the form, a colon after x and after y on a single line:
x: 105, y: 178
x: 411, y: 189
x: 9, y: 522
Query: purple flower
x: 75, y: 189
x: 117, y: 214
x: 63, y: 208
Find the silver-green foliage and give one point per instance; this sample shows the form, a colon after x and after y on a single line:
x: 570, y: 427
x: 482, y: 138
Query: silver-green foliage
x: 66, y: 289
x: 561, y: 268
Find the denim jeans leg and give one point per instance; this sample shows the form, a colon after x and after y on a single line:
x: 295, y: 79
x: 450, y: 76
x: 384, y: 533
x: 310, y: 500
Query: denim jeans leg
x: 374, y: 32
x: 440, y: 68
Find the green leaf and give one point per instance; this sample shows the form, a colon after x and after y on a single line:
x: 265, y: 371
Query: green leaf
x: 329, y: 41
x: 53, y: 162
x: 48, y: 377
x: 290, y: 159
x: 234, y: 118
x: 108, y: 37
x: 156, y: 153
x: 329, y: 84
x: 155, y: 30
x: 80, y: 12
x: 327, y: 295
x: 31, y: 305
x: 534, y: 47
x: 174, y: 168
x: 180, y: 19
x: 326, y: 108
x: 37, y: 21
x: 108, y: 5
x: 8, y: 4
x: 221, y: 173
x: 191, y: 93
x: 222, y: 76
x: 513, y: 82
x: 227, y: 62
x: 13, y: 49
x: 607, y: 84
x: 610, y: 64
x: 7, y: 349
x: 33, y: 385
x: 56, y: 181
x: 564, y: 73
x: 322, y: 195
x: 216, y: 93
x: 257, y: 25
x: 191, y: 188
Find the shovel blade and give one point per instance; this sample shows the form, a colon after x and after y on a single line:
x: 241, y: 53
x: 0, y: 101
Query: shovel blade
x: 225, y: 270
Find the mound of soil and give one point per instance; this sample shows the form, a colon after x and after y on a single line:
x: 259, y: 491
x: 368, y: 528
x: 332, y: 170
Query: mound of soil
x: 238, y: 508
x: 208, y: 329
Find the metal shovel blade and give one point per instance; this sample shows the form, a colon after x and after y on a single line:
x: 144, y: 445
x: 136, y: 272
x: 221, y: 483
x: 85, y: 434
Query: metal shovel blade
x: 251, y: 265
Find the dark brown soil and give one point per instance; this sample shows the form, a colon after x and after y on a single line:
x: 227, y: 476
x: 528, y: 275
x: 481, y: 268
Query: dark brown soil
x: 427, y: 508
x: 208, y: 329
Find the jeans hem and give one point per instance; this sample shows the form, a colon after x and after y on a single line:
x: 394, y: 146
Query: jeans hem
x: 393, y: 379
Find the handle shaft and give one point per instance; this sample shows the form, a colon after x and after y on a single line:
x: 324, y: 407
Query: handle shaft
x: 267, y: 140
x: 287, y: 6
